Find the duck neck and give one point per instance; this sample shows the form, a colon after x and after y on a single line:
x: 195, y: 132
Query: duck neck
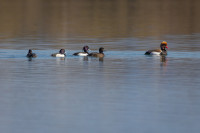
x: 85, y: 51
x: 163, y: 49
x: 101, y: 51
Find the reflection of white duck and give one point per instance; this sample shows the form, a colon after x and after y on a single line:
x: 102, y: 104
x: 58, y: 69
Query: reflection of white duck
x: 85, y: 53
x: 60, y: 54
x: 161, y: 51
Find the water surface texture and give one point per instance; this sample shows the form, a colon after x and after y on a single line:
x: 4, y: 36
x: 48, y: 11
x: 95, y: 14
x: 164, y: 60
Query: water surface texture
x: 125, y: 92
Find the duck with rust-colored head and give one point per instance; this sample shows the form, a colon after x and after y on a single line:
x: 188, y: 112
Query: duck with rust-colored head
x: 84, y: 53
x: 31, y: 54
x: 60, y: 54
x: 100, y: 54
x: 161, y: 51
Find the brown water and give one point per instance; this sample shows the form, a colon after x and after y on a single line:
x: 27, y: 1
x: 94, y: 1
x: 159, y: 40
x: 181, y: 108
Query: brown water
x: 125, y: 91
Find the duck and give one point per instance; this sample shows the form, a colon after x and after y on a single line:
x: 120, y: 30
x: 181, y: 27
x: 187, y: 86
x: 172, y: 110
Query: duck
x: 100, y: 54
x: 85, y: 53
x: 31, y: 54
x: 60, y: 54
x: 161, y: 51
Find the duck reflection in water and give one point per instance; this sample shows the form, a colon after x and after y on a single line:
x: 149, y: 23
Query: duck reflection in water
x: 101, y: 59
x: 85, y: 58
x: 61, y: 58
x: 163, y: 60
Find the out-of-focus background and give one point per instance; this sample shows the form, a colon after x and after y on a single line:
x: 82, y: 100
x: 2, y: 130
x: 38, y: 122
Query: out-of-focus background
x: 43, y: 24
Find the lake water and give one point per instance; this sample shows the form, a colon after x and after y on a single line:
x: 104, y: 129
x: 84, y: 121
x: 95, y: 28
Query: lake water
x: 125, y: 92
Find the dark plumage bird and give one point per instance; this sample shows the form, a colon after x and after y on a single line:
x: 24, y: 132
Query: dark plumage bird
x: 60, y: 54
x: 31, y: 54
x: 100, y: 54
x: 161, y: 51
x: 84, y: 53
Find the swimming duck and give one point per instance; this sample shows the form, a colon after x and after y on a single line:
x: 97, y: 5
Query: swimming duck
x: 85, y: 53
x: 60, y: 54
x: 31, y: 54
x: 161, y: 51
x: 100, y: 54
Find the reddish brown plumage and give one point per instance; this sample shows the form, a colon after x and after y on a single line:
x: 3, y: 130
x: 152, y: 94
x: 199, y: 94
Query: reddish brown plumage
x: 100, y: 54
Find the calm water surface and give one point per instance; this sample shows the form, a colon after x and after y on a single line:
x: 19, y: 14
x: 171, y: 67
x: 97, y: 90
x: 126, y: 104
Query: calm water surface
x: 124, y: 92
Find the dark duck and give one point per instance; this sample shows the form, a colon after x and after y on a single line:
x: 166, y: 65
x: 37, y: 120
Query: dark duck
x: 31, y: 54
x: 100, y: 54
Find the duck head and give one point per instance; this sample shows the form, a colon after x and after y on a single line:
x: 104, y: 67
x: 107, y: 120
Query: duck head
x: 101, y: 50
x: 163, y: 46
x: 85, y: 49
x: 29, y: 51
x: 62, y: 51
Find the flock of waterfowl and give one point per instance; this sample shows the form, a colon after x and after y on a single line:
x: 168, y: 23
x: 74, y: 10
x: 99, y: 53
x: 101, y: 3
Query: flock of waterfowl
x: 100, y: 54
